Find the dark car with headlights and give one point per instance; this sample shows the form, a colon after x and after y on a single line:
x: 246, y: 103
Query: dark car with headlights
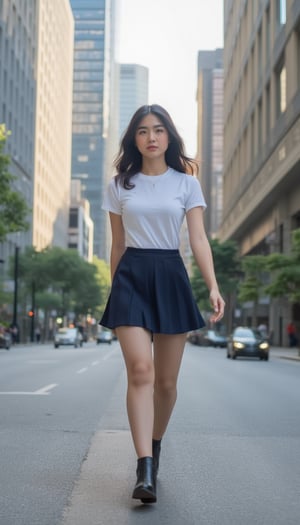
x: 247, y: 342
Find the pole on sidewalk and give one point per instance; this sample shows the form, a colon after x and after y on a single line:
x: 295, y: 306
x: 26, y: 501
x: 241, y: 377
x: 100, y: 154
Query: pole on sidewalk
x: 16, y: 276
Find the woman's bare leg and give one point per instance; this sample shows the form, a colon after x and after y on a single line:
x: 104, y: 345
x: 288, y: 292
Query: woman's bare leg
x: 168, y: 352
x: 137, y: 350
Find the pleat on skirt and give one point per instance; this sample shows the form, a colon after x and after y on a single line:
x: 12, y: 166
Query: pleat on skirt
x: 151, y: 289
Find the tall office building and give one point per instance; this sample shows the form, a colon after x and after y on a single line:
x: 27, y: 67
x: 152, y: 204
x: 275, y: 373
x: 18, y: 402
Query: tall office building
x: 134, y: 91
x: 93, y: 92
x: 210, y: 135
x: 36, y: 48
x: 81, y: 226
x: 17, y: 101
x: 262, y: 134
x: 53, y: 123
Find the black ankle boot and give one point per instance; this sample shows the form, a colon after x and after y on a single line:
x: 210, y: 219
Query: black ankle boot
x: 156, y: 443
x: 145, y: 486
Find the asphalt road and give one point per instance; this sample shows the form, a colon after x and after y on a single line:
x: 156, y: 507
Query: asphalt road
x: 231, y: 454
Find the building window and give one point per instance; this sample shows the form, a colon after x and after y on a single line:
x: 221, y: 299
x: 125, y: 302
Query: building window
x: 259, y: 51
x: 259, y: 126
x: 252, y: 139
x: 280, y: 87
x: 268, y: 33
x: 73, y: 220
x: 281, y: 238
x: 298, y: 55
x: 281, y: 12
x: 268, y: 110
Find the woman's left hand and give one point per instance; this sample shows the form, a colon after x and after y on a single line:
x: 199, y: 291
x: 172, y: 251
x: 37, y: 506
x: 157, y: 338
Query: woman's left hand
x: 218, y: 304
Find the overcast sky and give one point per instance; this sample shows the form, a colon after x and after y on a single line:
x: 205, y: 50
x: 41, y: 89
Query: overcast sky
x: 165, y: 36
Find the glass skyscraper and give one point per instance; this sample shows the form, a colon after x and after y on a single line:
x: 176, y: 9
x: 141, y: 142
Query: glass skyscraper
x: 93, y: 55
x: 17, y: 101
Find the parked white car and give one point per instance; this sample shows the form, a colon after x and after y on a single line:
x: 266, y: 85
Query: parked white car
x: 68, y: 336
x: 104, y: 336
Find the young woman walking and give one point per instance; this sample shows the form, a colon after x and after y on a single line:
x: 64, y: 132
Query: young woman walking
x: 151, y: 306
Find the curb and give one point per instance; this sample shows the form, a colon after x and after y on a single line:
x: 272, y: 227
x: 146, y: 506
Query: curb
x: 289, y: 358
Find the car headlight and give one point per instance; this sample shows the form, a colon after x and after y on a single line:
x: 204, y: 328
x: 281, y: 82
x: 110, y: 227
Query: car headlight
x: 264, y: 346
x: 238, y: 345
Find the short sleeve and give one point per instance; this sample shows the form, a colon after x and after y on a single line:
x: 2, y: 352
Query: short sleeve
x: 194, y: 195
x: 111, y: 200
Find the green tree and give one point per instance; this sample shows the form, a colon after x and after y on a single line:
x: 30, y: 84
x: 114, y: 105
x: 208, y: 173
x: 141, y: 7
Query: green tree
x: 13, y: 207
x: 74, y: 279
x: 58, y: 279
x: 104, y: 282
x: 253, y: 285
x: 227, y: 269
x: 87, y: 292
x: 285, y: 271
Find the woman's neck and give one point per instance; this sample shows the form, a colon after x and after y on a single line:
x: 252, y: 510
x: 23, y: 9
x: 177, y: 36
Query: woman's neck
x: 153, y: 168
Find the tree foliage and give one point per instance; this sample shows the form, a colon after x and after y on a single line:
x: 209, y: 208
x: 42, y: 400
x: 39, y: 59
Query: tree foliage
x: 285, y: 271
x: 253, y: 285
x: 227, y: 268
x: 13, y: 207
x: 62, y: 280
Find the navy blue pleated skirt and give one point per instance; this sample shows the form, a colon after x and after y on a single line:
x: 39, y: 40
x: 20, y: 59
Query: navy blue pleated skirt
x: 151, y: 289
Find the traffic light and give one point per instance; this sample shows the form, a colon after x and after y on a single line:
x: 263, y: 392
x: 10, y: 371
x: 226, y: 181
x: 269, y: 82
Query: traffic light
x: 31, y: 313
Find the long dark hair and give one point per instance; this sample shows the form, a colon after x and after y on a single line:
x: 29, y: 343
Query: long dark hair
x: 129, y: 160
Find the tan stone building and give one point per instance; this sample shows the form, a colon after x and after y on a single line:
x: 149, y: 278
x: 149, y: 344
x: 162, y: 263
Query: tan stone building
x: 261, y: 186
x: 53, y: 126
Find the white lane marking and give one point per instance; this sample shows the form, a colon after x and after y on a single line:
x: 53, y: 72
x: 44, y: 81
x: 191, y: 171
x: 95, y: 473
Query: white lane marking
x: 43, y: 361
x: 17, y: 394
x: 107, y: 356
x: 45, y: 391
x: 82, y: 370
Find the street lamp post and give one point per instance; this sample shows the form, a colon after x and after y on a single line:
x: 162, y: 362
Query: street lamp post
x: 32, y: 323
x: 16, y: 275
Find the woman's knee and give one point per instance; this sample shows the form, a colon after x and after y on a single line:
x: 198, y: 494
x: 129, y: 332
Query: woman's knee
x: 141, y: 373
x: 166, y: 387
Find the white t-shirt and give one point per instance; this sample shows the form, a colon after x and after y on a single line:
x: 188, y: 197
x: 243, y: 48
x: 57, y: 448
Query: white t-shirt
x: 153, y: 211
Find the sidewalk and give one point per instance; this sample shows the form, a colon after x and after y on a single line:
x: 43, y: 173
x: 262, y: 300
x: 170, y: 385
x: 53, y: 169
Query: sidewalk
x: 285, y: 353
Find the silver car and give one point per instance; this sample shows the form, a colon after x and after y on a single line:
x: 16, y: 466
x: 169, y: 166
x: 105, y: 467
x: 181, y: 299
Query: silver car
x: 68, y: 336
x: 104, y: 336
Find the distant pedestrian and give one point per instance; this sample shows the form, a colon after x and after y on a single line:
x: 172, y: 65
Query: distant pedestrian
x: 151, y: 299
x: 14, y: 330
x: 38, y: 334
x: 291, y: 330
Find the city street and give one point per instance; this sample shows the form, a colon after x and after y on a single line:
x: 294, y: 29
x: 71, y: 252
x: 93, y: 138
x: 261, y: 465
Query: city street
x: 230, y: 456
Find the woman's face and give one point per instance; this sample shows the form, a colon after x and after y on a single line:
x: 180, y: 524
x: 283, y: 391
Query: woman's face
x: 151, y: 137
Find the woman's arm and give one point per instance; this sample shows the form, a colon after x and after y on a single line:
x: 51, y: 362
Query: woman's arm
x: 203, y: 255
x: 118, y: 241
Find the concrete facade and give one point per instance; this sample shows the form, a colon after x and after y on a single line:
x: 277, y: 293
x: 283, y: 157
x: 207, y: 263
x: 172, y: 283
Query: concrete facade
x: 53, y: 124
x: 261, y: 199
x: 134, y: 91
x: 210, y: 135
